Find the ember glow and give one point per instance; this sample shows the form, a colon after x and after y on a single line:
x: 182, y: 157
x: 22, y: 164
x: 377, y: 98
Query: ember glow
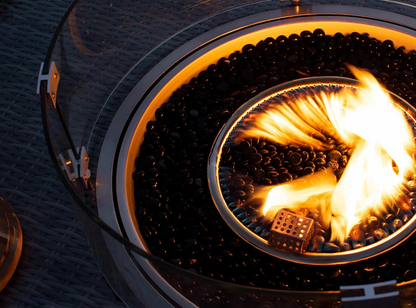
x: 366, y: 120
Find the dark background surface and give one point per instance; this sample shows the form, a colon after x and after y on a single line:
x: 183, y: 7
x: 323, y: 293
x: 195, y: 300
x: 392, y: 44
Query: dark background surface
x: 56, y: 268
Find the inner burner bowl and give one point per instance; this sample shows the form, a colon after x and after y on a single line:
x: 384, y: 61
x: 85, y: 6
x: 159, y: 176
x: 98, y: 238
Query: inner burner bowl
x: 226, y: 136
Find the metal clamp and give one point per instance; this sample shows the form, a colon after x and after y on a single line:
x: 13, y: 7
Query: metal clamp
x: 375, y: 295
x: 52, y: 79
x: 76, y: 168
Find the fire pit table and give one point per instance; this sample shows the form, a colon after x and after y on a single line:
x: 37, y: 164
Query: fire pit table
x: 224, y: 154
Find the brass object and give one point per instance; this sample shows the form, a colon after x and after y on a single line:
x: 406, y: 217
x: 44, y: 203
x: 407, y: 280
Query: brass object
x: 11, y: 240
x: 291, y: 232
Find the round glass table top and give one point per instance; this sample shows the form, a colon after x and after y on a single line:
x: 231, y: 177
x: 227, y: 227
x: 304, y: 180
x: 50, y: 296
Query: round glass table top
x: 107, y: 65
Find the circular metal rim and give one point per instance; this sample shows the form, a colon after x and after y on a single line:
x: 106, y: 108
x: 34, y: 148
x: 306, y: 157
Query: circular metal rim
x: 111, y: 202
x: 309, y: 258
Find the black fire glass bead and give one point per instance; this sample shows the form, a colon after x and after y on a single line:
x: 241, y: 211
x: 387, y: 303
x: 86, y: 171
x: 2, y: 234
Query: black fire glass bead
x: 142, y: 194
x: 409, y: 275
x: 255, y: 158
x: 146, y: 231
x: 320, y: 161
x: 261, y: 79
x: 383, y: 264
x: 141, y: 212
x: 305, y: 156
x: 373, y: 222
x: 334, y: 155
x: 357, y: 238
x: 247, y: 75
x: 176, y: 262
x: 294, y: 39
x: 153, y: 172
x: 285, y: 177
x: 297, y: 170
x: 343, y: 160
x: 369, y: 239
x: 312, y: 155
x: 397, y: 267
x: 355, y: 36
x: 292, y: 59
x: 272, y: 81
x: 272, y: 174
x: 411, y: 185
x: 333, y: 165
x: 331, y: 247
x: 267, y: 181
x: 397, y: 223
x: 379, y: 234
x: 390, y: 218
x: 295, y: 159
x: 307, y: 171
x: 358, y: 276
x: 155, y: 193
x: 310, y: 164
x: 259, y: 175
x: 307, y: 36
x: 238, y: 183
x: 249, y: 151
x: 239, y: 193
x: 169, y: 231
x: 369, y: 268
x: 319, y: 243
x: 266, y: 160
x: 159, y: 114
x: 327, y: 72
x: 335, y: 274
x: 319, y: 33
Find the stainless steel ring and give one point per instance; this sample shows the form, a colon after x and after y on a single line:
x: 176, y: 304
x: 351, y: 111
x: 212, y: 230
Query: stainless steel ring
x: 311, y: 258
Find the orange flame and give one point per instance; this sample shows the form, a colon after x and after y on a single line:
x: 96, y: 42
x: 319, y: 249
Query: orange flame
x: 310, y: 192
x: 366, y: 120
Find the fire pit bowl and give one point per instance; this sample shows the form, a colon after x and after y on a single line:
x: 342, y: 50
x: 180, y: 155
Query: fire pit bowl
x: 127, y: 76
x: 189, y: 67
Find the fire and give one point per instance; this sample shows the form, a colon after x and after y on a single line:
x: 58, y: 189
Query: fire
x: 365, y: 120
x: 314, y: 191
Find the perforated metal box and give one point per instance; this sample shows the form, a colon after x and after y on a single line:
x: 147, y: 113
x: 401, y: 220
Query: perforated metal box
x: 291, y: 232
